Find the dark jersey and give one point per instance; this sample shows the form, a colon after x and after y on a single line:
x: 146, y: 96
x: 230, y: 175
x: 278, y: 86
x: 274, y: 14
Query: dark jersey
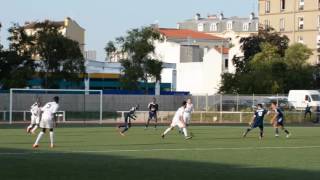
x: 259, y: 115
x: 153, y: 107
x: 130, y: 115
x: 279, y: 113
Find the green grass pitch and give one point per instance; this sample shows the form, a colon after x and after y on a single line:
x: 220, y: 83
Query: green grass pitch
x: 214, y: 153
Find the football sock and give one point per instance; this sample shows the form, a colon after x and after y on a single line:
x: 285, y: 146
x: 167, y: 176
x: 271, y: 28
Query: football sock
x: 39, y: 137
x: 51, y: 137
x: 286, y: 131
x: 277, y: 131
x: 124, y: 130
x: 167, y: 130
x: 34, y: 128
x: 261, y: 133
x: 248, y: 130
x: 29, y: 127
x: 184, y: 130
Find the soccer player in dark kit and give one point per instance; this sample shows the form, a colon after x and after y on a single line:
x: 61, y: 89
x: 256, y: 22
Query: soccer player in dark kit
x: 278, y: 120
x: 257, y: 120
x: 153, y: 110
x: 127, y: 120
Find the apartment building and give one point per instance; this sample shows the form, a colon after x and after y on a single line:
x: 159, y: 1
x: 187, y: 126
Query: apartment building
x: 297, y: 19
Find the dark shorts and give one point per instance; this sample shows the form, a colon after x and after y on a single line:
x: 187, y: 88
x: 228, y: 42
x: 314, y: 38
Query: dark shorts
x: 255, y: 125
x: 152, y: 115
x: 280, y: 122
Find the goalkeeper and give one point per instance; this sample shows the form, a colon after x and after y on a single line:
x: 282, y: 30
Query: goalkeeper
x: 127, y: 120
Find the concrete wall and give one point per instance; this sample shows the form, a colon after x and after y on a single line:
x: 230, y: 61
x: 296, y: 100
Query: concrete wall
x: 80, y: 102
x: 201, y: 77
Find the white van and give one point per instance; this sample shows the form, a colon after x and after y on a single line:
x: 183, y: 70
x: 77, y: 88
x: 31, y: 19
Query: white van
x: 297, y: 99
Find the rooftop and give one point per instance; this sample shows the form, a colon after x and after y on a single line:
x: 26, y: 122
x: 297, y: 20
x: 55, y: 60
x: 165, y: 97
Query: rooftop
x: 34, y: 25
x: 224, y: 50
x: 186, y: 34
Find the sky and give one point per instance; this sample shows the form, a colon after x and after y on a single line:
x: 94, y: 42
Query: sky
x: 104, y: 20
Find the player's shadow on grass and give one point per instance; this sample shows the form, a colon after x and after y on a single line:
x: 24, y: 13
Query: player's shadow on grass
x: 79, y: 166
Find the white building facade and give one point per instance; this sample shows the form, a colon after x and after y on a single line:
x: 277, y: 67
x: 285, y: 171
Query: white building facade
x: 200, y: 60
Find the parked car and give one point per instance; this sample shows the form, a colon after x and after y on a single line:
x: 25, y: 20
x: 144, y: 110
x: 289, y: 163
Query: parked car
x: 281, y: 100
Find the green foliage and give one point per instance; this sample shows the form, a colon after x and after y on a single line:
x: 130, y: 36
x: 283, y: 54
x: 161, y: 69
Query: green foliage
x: 134, y: 50
x: 271, y: 71
x: 252, y: 45
x: 59, y: 58
x: 15, y: 70
x: 296, y: 55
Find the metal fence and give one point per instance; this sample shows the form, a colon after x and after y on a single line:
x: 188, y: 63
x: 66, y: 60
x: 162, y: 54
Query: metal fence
x: 236, y: 102
x: 208, y: 108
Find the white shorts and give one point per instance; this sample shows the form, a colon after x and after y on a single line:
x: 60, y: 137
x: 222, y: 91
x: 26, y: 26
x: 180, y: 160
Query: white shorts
x: 187, y: 118
x: 35, y: 119
x: 46, y: 123
x: 177, y: 123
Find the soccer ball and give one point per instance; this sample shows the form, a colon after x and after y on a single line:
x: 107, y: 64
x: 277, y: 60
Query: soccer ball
x: 215, y: 119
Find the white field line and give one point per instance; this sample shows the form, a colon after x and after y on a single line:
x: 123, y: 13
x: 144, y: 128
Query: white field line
x: 152, y: 150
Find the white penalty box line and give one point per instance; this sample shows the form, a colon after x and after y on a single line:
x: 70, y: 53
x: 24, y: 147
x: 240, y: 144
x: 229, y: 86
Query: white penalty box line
x: 160, y: 149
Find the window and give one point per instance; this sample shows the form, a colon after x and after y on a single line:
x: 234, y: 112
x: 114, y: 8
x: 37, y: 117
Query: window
x: 300, y: 39
x: 229, y: 25
x: 318, y: 4
x: 315, y: 97
x: 267, y: 6
x: 245, y: 27
x: 318, y: 43
x: 257, y: 26
x: 200, y: 27
x: 282, y: 24
x: 300, y: 25
x: 214, y: 27
x: 226, y: 63
x: 282, y: 5
x: 266, y: 24
x: 301, y: 5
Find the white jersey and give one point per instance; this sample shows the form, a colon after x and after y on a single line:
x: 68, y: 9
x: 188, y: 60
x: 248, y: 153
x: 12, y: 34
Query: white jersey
x: 49, y: 109
x: 178, y: 114
x: 189, y: 108
x: 35, y: 113
x: 176, y: 121
x: 35, y: 110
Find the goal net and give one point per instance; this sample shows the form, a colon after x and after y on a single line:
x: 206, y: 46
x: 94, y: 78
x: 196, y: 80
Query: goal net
x: 75, y: 105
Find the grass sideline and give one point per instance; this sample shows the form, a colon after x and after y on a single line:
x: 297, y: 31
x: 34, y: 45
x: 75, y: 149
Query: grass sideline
x: 214, y: 153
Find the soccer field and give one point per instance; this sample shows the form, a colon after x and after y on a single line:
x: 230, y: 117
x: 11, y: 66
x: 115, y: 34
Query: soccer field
x: 214, y: 153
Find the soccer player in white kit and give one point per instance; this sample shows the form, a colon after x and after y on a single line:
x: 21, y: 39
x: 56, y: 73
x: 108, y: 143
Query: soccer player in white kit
x: 178, y: 120
x: 35, y: 117
x: 187, y: 112
x: 47, y: 118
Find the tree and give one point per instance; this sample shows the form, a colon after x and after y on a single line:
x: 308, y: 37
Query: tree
x: 272, y: 71
x: 135, y: 49
x: 297, y: 55
x: 252, y: 45
x: 15, y: 69
x: 59, y: 58
x: 0, y: 31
